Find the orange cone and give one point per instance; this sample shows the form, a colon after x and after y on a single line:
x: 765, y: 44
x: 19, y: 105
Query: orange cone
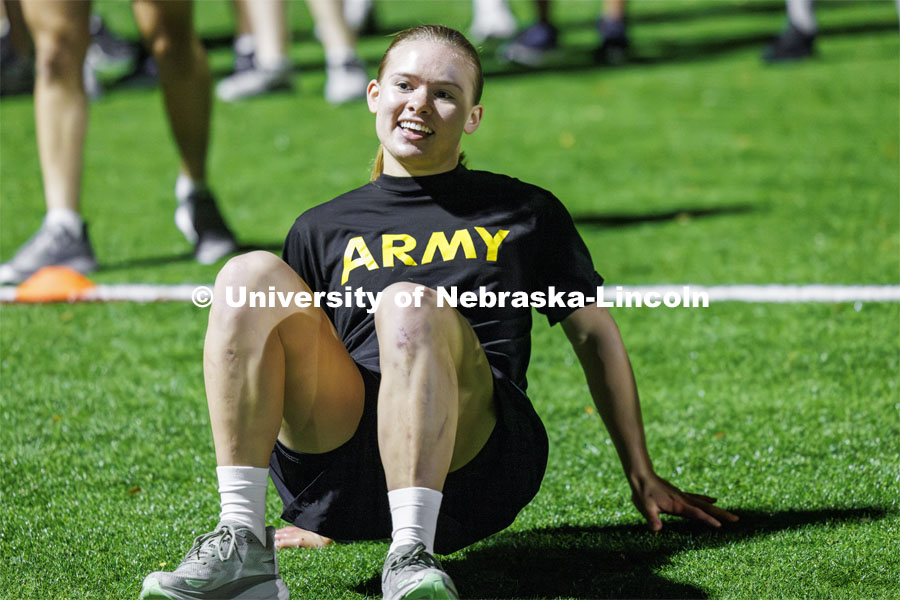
x: 54, y: 284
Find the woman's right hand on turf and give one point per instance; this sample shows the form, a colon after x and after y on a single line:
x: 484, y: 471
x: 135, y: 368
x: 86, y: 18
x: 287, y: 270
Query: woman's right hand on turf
x: 294, y: 537
x: 653, y: 495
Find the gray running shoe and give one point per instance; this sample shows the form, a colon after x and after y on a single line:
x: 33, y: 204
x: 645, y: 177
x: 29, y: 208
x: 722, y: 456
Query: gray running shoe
x: 228, y: 563
x: 345, y: 82
x: 199, y: 219
x: 410, y: 572
x: 255, y: 82
x: 50, y: 245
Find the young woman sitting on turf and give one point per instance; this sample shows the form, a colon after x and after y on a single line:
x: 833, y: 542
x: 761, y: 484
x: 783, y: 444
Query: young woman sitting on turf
x: 383, y: 418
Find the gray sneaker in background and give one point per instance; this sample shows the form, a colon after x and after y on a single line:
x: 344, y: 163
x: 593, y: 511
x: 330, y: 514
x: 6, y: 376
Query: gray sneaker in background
x: 228, y: 563
x: 411, y: 572
x: 50, y: 245
x: 346, y: 82
x: 255, y: 82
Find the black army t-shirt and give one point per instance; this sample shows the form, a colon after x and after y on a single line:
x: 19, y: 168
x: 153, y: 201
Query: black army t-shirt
x: 463, y: 229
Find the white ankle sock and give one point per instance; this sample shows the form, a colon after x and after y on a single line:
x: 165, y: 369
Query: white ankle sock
x: 414, y: 513
x: 244, y: 44
x: 338, y: 57
x: 272, y: 63
x: 66, y: 218
x: 489, y: 8
x: 243, y: 496
x: 185, y: 186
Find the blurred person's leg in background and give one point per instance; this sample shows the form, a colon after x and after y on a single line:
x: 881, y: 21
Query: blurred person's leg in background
x: 346, y: 77
x: 244, y: 45
x: 61, y: 37
x: 269, y: 69
x: 167, y: 27
x: 613, y: 48
x: 360, y: 16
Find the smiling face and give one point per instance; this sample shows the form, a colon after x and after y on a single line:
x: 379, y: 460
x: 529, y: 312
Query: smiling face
x: 422, y: 105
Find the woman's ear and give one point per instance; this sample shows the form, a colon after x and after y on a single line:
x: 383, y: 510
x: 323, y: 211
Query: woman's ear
x: 373, y: 90
x: 474, y: 119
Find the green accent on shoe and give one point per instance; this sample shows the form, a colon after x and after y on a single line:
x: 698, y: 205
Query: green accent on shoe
x: 227, y: 563
x: 153, y: 591
x: 432, y: 587
x: 412, y: 573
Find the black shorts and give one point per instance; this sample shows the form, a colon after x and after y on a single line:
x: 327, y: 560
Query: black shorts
x: 342, y: 494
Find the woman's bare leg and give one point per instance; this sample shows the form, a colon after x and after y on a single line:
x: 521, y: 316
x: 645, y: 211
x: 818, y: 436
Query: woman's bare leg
x: 61, y: 38
x: 167, y: 27
x: 275, y: 372
x: 435, y: 403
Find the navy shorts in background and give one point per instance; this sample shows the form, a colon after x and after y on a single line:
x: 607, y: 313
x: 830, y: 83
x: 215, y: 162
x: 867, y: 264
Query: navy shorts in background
x: 342, y: 494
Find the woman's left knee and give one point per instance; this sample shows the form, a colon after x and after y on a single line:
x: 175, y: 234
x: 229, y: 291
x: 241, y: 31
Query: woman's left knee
x: 167, y: 29
x: 409, y: 314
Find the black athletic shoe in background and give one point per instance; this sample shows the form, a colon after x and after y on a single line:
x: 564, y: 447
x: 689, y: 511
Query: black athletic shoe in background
x: 613, y: 48
x: 791, y: 44
x: 199, y: 220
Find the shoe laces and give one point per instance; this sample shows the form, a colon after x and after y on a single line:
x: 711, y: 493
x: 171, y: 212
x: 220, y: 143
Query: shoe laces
x: 45, y: 239
x: 216, y: 540
x: 416, y: 556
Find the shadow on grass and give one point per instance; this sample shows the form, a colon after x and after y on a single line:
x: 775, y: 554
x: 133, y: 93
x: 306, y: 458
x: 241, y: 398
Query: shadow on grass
x: 159, y: 261
x: 678, y: 214
x: 146, y: 261
x: 620, y: 561
x: 588, y: 219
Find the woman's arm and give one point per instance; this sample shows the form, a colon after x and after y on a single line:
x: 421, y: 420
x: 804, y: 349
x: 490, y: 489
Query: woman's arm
x: 599, y: 347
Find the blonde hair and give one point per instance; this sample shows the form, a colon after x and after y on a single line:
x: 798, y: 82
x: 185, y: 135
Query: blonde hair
x: 440, y: 34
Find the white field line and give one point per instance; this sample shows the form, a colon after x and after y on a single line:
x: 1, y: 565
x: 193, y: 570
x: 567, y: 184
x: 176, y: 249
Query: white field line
x: 716, y: 293
x: 772, y: 293
x: 126, y: 292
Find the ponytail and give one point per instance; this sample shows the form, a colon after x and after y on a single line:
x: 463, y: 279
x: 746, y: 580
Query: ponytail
x: 378, y: 164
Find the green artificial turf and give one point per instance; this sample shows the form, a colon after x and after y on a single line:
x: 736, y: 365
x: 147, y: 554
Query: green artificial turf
x: 693, y: 164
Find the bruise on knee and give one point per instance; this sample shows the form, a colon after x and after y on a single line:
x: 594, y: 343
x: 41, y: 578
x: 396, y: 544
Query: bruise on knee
x: 409, y: 335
